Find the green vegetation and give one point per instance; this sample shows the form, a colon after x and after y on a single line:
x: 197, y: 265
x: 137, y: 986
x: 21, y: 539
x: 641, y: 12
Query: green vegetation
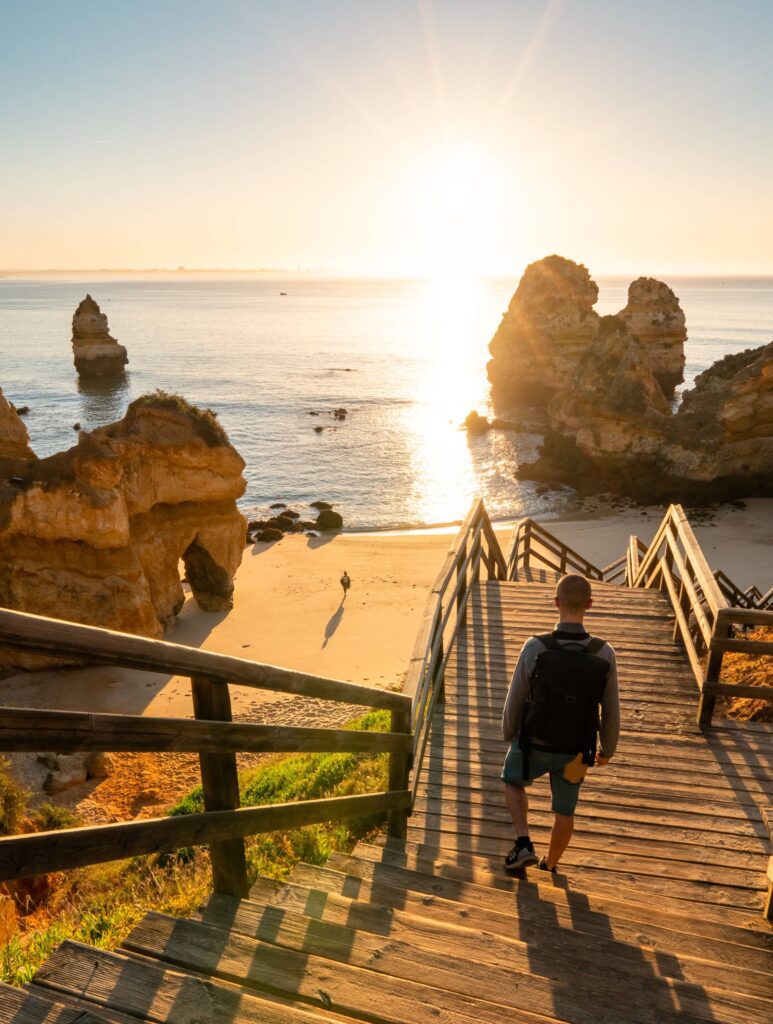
x: 204, y: 420
x: 100, y: 905
x: 50, y: 817
x: 13, y: 800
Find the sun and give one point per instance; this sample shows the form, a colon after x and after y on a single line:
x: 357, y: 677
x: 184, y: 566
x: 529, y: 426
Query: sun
x: 455, y: 203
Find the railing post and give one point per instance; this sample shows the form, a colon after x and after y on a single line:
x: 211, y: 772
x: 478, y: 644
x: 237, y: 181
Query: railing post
x: 462, y: 581
x: 399, y: 769
x: 220, y: 782
x: 436, y: 643
x: 684, y: 604
x: 713, y: 669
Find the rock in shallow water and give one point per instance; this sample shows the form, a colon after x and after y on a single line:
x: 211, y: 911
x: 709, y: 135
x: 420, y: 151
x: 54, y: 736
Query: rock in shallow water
x: 95, y: 352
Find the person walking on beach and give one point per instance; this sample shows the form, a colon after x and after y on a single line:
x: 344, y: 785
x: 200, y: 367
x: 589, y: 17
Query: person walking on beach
x: 551, y: 720
x: 345, y: 583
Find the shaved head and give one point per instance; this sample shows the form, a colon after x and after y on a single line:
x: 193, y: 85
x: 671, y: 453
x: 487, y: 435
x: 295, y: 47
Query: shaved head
x: 573, y: 592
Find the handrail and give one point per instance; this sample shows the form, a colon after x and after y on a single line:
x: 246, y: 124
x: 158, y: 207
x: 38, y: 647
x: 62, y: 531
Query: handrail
x: 524, y: 552
x: 707, y: 606
x: 212, y: 734
x: 476, y: 544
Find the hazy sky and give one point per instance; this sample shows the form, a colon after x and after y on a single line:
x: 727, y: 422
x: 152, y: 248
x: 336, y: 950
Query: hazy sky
x: 387, y: 136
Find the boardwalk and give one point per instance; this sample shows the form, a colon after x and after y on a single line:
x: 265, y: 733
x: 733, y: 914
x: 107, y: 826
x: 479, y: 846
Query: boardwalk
x: 655, y: 916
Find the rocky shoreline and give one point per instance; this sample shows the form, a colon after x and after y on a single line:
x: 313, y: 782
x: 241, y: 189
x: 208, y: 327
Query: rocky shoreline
x: 606, y: 387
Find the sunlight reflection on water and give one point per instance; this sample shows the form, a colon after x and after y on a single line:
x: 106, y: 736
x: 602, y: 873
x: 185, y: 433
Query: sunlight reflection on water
x: 406, y: 358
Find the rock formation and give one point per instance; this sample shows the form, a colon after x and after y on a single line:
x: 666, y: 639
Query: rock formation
x: 96, y: 534
x: 14, y: 440
x: 547, y: 327
x: 655, y: 318
x: 95, y: 352
x: 550, y: 324
x: 612, y: 428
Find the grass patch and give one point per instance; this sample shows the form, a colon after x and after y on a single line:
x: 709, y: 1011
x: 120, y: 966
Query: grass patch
x: 100, y: 905
x: 13, y: 801
x: 205, y: 421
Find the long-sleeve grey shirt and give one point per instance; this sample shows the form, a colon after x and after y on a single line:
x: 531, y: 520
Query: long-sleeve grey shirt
x: 609, y: 730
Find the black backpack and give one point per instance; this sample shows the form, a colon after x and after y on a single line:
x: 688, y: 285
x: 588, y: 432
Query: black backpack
x: 562, y: 710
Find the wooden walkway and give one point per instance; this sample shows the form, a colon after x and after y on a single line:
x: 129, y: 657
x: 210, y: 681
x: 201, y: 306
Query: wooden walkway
x: 655, y: 916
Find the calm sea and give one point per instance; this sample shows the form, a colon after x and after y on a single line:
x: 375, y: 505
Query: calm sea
x: 406, y: 359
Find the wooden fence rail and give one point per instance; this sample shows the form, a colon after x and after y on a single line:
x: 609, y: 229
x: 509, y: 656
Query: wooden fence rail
x: 474, y: 546
x: 707, y: 608
x: 212, y: 734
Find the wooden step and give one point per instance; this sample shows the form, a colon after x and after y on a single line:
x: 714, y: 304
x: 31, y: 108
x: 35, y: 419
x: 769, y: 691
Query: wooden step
x: 524, y: 975
x: 360, y: 991
x: 587, y: 859
x: 148, y: 990
x: 401, y: 913
x: 481, y: 880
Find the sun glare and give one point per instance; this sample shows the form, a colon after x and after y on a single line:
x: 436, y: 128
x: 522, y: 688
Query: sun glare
x: 455, y: 202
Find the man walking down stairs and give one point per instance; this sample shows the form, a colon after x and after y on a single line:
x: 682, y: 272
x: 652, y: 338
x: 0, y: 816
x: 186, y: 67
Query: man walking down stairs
x: 551, y: 719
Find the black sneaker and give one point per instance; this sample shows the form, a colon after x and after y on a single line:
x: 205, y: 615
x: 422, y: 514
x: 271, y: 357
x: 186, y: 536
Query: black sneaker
x: 517, y: 860
x: 543, y: 866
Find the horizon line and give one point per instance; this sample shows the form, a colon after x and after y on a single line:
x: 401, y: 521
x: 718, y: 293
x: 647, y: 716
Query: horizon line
x: 346, y: 275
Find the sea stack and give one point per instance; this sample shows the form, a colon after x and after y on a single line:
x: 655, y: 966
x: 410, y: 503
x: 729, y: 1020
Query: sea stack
x: 612, y: 428
x: 544, y: 333
x: 655, y: 318
x: 95, y: 352
x: 14, y: 440
x: 96, y: 534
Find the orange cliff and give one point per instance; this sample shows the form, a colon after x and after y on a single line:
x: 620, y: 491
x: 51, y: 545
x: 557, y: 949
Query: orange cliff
x: 96, y: 534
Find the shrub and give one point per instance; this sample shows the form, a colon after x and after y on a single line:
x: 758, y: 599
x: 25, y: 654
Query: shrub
x: 205, y: 421
x: 51, y: 817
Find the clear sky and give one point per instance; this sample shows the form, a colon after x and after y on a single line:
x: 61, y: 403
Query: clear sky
x: 391, y: 137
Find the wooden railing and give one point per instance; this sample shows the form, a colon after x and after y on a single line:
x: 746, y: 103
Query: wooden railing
x: 212, y: 735
x: 706, y: 619
x: 474, y: 546
x: 534, y: 546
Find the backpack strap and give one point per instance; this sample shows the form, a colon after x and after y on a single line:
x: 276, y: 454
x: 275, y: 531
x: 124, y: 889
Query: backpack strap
x: 549, y: 641
x: 595, y: 644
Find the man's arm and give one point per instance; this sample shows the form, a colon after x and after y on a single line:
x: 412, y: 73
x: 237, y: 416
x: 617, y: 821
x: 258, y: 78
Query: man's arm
x: 520, y: 685
x: 609, y: 729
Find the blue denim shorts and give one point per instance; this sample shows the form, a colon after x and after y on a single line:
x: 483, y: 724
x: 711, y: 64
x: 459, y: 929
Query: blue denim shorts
x: 542, y: 762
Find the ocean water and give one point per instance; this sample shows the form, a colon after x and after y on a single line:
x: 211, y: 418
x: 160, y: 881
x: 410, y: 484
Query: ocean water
x: 406, y: 359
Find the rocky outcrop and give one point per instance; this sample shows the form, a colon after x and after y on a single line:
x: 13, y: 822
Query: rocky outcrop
x: 96, y: 534
x: 14, y: 440
x: 550, y: 324
x: 612, y: 429
x: 95, y: 352
x: 655, y: 318
x: 544, y: 333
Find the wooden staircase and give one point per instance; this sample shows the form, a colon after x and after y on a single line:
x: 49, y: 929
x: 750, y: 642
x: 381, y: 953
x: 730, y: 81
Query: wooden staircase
x: 654, y: 916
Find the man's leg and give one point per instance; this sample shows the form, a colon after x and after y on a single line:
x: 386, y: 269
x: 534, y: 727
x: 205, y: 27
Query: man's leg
x: 563, y: 827
x: 518, y: 806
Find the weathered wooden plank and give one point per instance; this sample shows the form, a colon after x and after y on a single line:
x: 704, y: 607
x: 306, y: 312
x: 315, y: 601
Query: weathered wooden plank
x: 105, y: 646
x: 30, y: 729
x: 401, y: 914
x: 311, y: 977
x: 477, y: 880
x: 114, y: 982
x: 738, y: 860
x: 685, y: 881
x: 42, y: 852
x: 475, y: 961
x: 21, y: 1006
